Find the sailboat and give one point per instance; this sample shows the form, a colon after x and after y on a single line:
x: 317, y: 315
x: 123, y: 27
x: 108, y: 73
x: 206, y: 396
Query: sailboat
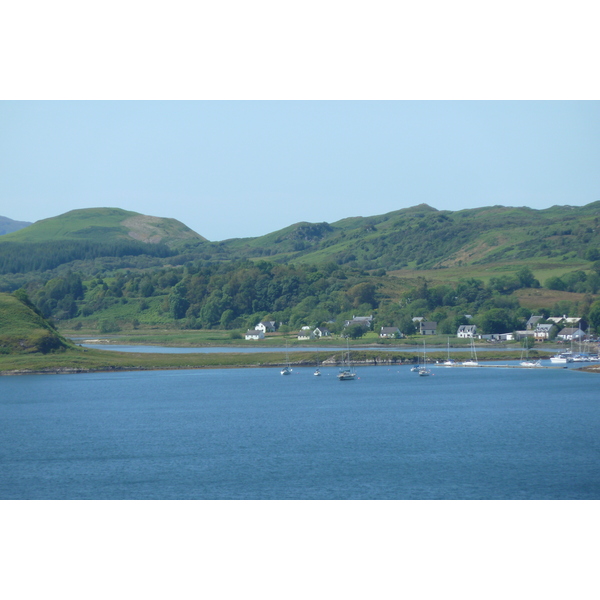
x: 287, y: 370
x: 424, y: 371
x: 347, y: 372
x: 449, y: 362
x: 525, y: 362
x: 472, y: 362
x: 317, y: 372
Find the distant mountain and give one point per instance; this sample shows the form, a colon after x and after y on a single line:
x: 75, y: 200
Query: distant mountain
x: 8, y: 225
x: 106, y: 224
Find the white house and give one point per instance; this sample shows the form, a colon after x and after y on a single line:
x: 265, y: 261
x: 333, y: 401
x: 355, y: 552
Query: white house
x: 306, y: 334
x: 543, y: 331
x: 467, y: 331
x: 390, y: 332
x: 502, y: 337
x: 265, y: 326
x: 321, y: 332
x: 255, y: 334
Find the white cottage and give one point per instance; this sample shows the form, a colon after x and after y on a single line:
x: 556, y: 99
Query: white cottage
x: 265, y: 326
x: 255, y: 334
x: 543, y: 331
x: 305, y: 334
x: 467, y: 331
x: 390, y: 332
x: 321, y: 332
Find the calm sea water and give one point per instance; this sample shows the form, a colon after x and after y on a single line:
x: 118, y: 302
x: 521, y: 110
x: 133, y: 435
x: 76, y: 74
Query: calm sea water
x: 253, y: 434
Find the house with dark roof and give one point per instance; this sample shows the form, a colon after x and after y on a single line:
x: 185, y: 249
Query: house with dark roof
x: 532, y: 321
x: 428, y: 327
x: 570, y: 333
x: 363, y: 321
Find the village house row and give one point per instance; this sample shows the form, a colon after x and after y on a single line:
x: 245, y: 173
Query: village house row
x: 561, y: 328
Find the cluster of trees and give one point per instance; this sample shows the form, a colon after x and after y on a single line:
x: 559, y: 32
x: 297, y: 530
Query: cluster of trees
x: 222, y: 295
x: 237, y: 295
x: 44, y: 256
x: 577, y: 281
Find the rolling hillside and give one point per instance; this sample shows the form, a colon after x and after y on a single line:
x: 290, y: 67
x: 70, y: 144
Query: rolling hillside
x: 422, y: 237
x: 104, y: 225
x: 23, y: 330
x: 88, y: 234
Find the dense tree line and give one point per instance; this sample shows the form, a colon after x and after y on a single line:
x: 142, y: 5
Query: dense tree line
x: 238, y: 295
x: 228, y: 295
x: 44, y: 256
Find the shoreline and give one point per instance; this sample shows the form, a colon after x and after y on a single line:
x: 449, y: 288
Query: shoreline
x: 301, y: 364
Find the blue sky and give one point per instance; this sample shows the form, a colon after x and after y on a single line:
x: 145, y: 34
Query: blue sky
x: 246, y: 168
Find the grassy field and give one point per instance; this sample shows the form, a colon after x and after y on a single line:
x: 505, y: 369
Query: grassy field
x: 542, y: 270
x: 543, y: 298
x: 210, y: 337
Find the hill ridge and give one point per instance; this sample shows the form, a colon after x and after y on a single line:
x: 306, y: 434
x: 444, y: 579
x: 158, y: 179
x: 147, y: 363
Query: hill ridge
x: 103, y: 224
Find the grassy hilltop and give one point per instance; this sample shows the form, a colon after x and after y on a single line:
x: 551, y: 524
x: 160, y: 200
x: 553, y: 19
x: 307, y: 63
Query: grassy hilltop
x: 104, y: 225
x: 89, y: 234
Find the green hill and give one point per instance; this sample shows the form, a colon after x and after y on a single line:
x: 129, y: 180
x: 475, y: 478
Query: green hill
x: 88, y: 234
x: 23, y: 330
x: 419, y: 237
x: 422, y: 237
x: 104, y: 225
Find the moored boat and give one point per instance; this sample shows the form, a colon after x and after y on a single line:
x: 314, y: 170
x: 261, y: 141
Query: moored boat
x: 472, y: 362
x: 347, y: 372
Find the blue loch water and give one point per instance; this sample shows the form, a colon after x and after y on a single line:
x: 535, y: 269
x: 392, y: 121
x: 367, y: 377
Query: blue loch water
x: 485, y: 433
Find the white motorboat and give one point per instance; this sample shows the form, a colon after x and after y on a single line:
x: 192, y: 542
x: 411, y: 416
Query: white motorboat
x: 561, y: 359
